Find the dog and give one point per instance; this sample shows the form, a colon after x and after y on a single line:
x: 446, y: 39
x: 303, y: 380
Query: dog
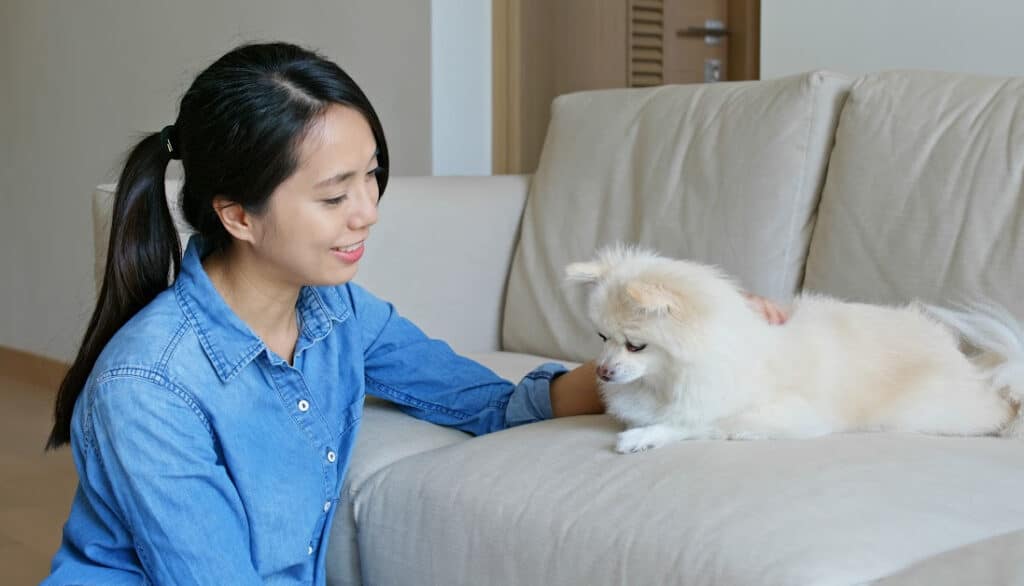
x: 686, y: 357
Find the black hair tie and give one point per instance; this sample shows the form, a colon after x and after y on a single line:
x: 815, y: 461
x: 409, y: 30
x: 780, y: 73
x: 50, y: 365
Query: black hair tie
x: 168, y: 139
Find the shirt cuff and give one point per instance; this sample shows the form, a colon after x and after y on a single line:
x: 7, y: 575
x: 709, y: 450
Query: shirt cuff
x: 531, y: 399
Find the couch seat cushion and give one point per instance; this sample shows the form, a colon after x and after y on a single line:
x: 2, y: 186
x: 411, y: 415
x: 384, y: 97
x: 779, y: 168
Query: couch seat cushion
x: 551, y: 503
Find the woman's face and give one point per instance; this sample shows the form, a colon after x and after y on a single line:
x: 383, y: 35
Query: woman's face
x: 314, y: 229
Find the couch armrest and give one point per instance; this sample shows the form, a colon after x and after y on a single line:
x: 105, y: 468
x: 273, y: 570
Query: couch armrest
x: 441, y: 251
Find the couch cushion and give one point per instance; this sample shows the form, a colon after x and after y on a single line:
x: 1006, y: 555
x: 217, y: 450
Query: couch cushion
x: 551, y: 503
x: 722, y: 173
x: 998, y: 560
x: 386, y: 435
x: 925, y: 192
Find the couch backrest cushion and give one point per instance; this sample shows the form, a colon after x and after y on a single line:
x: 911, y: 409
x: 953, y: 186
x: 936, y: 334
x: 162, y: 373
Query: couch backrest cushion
x: 723, y: 173
x: 925, y: 192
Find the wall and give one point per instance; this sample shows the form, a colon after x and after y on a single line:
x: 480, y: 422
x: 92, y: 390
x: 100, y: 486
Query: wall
x: 859, y: 36
x: 461, y: 87
x: 6, y: 205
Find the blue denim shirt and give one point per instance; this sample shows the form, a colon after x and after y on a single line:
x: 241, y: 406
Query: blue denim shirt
x: 204, y: 458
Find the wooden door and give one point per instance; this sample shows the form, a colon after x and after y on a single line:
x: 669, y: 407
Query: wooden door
x: 545, y: 48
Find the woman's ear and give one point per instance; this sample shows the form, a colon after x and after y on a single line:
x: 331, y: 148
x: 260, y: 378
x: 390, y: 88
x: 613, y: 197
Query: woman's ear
x: 235, y: 219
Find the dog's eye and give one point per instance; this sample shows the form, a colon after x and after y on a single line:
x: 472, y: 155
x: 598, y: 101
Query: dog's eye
x: 634, y: 347
x: 603, y: 337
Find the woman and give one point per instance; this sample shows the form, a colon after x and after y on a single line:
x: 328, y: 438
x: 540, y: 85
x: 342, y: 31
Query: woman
x: 211, y: 422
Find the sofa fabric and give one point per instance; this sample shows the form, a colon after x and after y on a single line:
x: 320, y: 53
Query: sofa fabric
x: 839, y: 510
x: 723, y: 173
x: 925, y: 193
x: 996, y: 560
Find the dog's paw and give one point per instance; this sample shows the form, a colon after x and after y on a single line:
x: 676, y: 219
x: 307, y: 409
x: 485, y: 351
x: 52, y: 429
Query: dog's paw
x: 638, y: 440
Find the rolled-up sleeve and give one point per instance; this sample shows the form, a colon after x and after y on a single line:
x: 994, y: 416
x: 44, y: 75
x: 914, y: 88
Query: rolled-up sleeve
x: 428, y: 380
x: 531, y: 399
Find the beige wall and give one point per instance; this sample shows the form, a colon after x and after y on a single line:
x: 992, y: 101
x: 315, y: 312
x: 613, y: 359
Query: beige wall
x: 861, y: 36
x: 80, y: 80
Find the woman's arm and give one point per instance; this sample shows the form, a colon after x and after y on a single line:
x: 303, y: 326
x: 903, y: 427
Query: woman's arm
x: 425, y: 378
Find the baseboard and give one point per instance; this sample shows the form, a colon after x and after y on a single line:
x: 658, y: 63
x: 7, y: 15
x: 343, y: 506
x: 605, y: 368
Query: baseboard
x: 32, y: 369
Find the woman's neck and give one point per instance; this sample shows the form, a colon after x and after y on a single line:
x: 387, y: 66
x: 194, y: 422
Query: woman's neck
x: 265, y: 304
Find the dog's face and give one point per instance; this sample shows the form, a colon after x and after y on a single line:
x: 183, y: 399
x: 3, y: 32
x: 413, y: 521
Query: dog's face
x: 629, y: 320
x: 627, y: 355
x: 650, y: 312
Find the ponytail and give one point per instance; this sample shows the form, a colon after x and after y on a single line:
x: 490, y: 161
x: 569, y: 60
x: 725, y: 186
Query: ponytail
x: 141, y: 252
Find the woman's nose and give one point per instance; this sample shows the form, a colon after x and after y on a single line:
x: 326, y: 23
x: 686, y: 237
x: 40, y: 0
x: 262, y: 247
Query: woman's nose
x: 364, y: 214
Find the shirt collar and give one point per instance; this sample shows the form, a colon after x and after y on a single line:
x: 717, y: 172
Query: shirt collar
x: 228, y: 342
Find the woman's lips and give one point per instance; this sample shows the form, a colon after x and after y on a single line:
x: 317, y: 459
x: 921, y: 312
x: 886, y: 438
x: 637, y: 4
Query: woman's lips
x: 350, y: 254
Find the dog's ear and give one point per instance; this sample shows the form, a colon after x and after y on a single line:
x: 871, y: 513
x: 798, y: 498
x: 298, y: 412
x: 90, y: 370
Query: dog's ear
x: 585, y: 272
x: 651, y: 298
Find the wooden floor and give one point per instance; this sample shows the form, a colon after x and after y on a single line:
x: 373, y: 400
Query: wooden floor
x: 36, y: 488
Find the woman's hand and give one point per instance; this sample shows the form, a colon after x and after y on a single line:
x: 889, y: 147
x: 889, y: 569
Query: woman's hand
x: 575, y: 392
x: 772, y: 313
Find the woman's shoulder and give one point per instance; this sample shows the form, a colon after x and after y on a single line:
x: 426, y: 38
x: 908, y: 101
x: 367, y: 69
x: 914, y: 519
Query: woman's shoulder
x: 145, y: 341
x: 143, y: 365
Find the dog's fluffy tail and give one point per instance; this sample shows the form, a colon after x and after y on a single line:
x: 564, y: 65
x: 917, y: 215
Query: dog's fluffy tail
x: 999, y: 338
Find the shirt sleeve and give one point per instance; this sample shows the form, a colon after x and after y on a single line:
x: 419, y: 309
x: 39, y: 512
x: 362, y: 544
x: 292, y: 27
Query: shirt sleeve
x: 155, y: 464
x: 428, y: 380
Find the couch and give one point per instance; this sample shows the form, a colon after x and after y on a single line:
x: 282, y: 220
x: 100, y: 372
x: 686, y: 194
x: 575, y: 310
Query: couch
x: 882, y: 188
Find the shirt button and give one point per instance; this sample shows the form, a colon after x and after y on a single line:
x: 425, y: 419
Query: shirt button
x: 303, y: 405
x: 309, y: 551
x: 331, y: 457
x: 327, y: 506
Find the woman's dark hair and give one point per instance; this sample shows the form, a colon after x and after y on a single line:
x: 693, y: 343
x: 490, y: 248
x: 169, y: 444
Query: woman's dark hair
x: 239, y: 129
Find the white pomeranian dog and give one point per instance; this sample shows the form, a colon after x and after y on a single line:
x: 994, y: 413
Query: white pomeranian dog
x: 686, y: 357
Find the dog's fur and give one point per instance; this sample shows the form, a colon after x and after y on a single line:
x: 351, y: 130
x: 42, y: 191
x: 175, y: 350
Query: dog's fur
x: 714, y: 368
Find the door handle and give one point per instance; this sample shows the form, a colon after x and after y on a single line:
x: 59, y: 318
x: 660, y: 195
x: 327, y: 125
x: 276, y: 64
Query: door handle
x: 713, y: 31
x: 702, y: 31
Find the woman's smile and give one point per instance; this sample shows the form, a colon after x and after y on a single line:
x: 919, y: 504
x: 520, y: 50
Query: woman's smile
x: 350, y: 254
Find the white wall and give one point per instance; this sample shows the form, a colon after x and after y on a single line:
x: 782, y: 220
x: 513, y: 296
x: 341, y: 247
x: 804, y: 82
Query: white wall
x: 860, y: 36
x: 460, y: 67
x: 80, y: 81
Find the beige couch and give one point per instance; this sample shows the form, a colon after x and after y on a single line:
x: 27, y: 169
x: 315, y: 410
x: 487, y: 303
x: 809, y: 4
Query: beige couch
x: 882, y: 189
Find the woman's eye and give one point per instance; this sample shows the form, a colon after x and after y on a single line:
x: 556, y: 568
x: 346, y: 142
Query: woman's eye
x: 335, y: 200
x: 603, y: 337
x: 373, y: 174
x: 634, y: 347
